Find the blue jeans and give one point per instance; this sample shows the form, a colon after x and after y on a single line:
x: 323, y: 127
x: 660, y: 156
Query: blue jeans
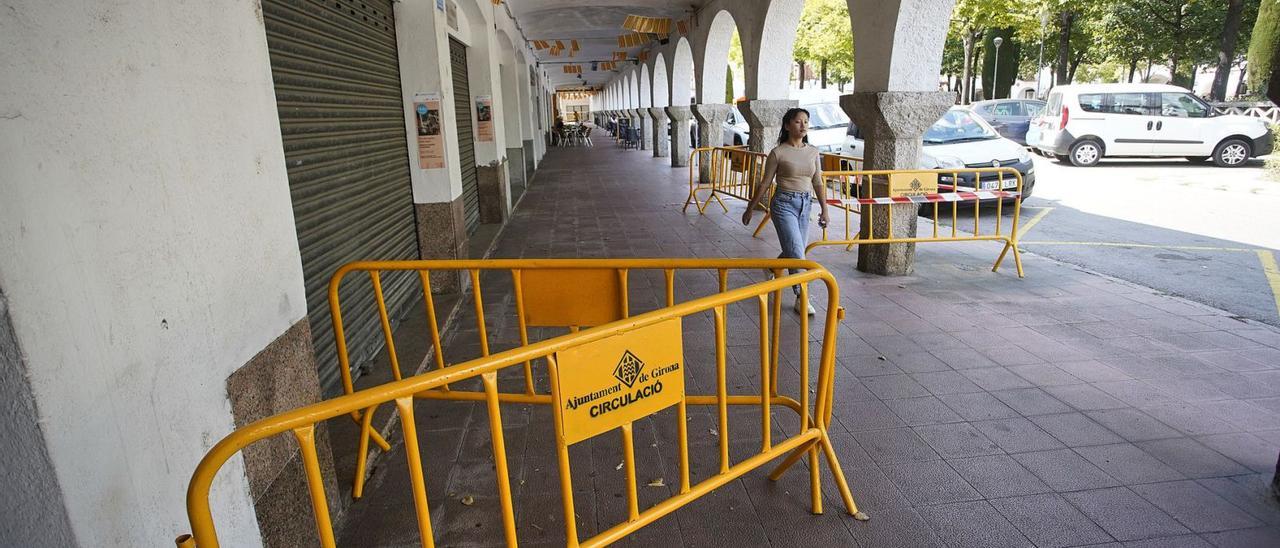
x: 790, y: 214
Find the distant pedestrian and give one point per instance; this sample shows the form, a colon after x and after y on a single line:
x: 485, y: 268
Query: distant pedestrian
x: 796, y: 167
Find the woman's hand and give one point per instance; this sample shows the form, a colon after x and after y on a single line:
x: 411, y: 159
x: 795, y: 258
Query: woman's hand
x: 746, y: 216
x: 823, y: 219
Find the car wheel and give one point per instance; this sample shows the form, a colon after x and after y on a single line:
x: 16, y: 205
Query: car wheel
x: 1197, y: 159
x: 1231, y: 153
x: 1086, y: 153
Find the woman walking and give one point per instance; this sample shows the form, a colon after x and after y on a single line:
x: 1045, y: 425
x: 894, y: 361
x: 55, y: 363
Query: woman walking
x: 796, y: 167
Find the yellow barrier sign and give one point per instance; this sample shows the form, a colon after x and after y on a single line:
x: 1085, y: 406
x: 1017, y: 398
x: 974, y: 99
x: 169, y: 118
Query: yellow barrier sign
x: 556, y: 297
x: 912, y: 184
x: 611, y: 382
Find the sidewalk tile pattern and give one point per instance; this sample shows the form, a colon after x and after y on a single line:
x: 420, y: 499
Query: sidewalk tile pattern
x: 973, y: 408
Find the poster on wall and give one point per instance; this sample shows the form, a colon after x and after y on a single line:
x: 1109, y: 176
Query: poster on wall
x: 426, y: 110
x: 484, y: 118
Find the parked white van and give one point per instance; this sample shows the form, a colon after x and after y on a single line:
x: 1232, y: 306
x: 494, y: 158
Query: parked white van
x: 1083, y: 123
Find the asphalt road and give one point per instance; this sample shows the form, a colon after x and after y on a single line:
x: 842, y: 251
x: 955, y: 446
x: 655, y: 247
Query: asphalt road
x: 1201, y: 232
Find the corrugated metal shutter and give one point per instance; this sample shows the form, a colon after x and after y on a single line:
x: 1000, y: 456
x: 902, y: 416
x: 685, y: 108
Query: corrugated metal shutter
x: 466, y: 139
x: 337, y: 82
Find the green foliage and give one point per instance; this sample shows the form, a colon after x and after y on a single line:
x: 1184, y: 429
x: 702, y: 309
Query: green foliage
x: 1007, y: 64
x: 1107, y: 37
x: 735, y: 64
x: 826, y: 34
x: 1263, y: 46
x: 728, y: 85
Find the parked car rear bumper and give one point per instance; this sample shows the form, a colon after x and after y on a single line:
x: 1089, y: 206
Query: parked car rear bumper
x: 1263, y: 146
x: 1060, y: 143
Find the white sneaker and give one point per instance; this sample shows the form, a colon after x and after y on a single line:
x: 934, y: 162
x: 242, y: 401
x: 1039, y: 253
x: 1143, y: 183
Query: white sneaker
x: 802, y: 307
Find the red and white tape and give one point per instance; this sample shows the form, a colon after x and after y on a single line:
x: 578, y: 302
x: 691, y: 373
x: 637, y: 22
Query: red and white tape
x: 930, y: 198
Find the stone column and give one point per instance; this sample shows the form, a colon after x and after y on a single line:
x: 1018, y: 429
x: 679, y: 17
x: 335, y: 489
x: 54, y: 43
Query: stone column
x: 661, y: 132
x: 634, y: 116
x: 679, y: 134
x: 711, y: 117
x: 893, y: 123
x: 643, y: 123
x: 764, y: 116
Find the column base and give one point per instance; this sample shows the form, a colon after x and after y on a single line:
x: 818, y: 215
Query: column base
x: 892, y: 123
x: 282, y: 377
x: 661, y: 130
x: 494, y: 192
x: 680, y: 117
x: 530, y: 163
x: 711, y: 118
x: 442, y: 234
x: 515, y: 159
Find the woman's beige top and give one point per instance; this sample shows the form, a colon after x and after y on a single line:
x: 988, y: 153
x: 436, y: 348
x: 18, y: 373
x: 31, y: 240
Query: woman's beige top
x: 797, y: 169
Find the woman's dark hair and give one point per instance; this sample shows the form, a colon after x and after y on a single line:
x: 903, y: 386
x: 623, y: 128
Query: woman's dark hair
x: 786, y: 119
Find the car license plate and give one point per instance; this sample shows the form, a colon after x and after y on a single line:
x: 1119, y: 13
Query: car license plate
x: 995, y: 184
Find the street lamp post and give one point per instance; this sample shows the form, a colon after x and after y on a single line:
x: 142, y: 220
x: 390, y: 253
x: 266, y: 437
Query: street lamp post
x: 995, y: 68
x: 1044, y: 22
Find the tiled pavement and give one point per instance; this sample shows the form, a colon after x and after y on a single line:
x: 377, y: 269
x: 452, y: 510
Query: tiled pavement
x: 973, y: 408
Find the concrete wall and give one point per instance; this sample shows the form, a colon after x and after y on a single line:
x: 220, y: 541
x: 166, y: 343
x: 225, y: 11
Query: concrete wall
x: 147, y: 246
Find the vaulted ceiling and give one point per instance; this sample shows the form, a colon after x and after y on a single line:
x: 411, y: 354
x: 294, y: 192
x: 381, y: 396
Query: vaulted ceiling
x: 595, y: 24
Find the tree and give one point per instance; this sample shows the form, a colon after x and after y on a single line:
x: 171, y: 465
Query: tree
x: 1005, y: 66
x: 735, y: 63
x: 728, y: 85
x: 825, y: 36
x: 1264, y: 45
x: 969, y: 21
x: 1227, y: 48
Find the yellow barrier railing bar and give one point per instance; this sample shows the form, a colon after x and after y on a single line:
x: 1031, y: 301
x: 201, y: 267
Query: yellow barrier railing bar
x: 839, y: 189
x: 736, y: 171
x: 950, y: 193
x: 815, y: 415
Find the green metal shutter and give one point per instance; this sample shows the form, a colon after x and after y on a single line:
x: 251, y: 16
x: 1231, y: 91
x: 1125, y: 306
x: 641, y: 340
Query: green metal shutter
x: 337, y: 83
x: 466, y: 139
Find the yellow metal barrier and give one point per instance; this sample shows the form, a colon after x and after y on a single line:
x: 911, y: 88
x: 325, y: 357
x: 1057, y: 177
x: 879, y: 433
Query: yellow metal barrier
x: 736, y: 171
x: 575, y: 293
x: 1005, y: 183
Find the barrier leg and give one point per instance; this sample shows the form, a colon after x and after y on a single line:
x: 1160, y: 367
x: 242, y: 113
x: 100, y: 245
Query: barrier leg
x: 760, y: 226
x: 717, y: 197
x: 306, y: 437
x: 838, y: 475
x: 795, y: 456
x: 377, y: 438
x: 1017, y: 258
x: 702, y: 208
x: 366, y: 427
x: 693, y: 197
x: 996, y: 267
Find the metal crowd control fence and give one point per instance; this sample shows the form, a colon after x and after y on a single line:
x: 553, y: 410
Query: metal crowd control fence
x: 735, y: 171
x: 939, y: 206
x: 587, y: 394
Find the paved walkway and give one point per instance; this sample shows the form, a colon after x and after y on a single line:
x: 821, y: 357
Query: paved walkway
x: 973, y: 408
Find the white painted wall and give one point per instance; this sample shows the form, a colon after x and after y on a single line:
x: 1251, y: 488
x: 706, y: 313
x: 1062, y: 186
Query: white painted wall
x: 483, y: 74
x: 422, y: 37
x: 147, y: 245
